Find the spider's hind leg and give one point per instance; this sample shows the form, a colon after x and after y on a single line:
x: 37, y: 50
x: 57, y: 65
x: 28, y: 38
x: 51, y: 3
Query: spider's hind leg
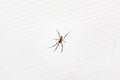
x: 56, y: 47
x: 53, y: 45
x: 62, y: 47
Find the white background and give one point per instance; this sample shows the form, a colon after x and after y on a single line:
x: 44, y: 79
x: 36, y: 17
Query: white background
x: 28, y: 27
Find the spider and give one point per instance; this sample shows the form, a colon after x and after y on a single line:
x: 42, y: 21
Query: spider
x: 60, y: 40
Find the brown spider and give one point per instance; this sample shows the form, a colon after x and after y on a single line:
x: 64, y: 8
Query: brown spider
x: 60, y: 40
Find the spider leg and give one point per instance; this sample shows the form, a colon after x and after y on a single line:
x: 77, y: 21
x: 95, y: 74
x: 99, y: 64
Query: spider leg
x: 56, y: 39
x: 64, y: 41
x: 56, y: 47
x: 58, y: 32
x: 62, y: 47
x: 66, y: 35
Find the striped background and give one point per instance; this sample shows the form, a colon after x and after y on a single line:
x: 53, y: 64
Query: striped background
x: 28, y: 27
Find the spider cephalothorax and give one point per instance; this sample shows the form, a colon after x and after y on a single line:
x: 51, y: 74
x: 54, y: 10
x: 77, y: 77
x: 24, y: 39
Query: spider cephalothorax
x: 59, y: 41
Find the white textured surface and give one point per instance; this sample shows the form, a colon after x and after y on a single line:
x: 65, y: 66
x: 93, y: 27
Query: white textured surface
x: 28, y: 27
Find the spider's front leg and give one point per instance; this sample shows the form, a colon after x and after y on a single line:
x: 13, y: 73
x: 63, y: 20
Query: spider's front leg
x: 58, y: 32
x: 56, y: 39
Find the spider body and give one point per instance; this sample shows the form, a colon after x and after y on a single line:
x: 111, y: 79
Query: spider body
x: 60, y: 41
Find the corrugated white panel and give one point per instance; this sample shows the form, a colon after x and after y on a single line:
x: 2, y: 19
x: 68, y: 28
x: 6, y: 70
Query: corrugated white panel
x: 28, y: 27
